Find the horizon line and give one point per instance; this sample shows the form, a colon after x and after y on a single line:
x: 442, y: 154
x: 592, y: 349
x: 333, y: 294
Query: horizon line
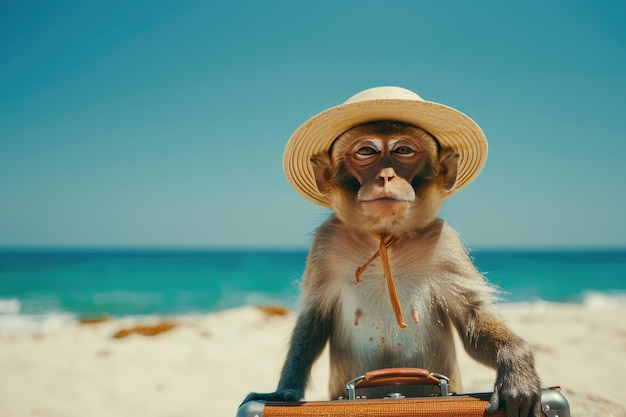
x: 258, y: 248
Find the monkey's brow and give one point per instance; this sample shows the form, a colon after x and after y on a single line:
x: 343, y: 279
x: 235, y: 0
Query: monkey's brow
x: 375, y: 143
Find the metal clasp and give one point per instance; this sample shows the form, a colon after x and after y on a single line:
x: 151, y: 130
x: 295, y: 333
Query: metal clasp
x: 444, y: 382
x: 351, y: 386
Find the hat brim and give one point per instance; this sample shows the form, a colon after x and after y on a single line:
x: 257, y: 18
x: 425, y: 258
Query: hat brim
x: 450, y: 127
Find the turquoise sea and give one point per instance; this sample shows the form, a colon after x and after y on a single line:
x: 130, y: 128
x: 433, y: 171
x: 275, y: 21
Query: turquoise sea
x: 42, y: 288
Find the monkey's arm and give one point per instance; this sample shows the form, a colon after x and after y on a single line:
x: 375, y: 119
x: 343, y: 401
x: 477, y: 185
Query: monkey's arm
x: 490, y: 342
x: 307, y: 342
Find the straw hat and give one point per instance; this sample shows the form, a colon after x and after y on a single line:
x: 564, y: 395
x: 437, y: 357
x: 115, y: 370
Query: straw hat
x: 450, y: 127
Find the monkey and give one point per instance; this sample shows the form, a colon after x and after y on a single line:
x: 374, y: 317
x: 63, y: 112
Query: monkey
x: 387, y: 283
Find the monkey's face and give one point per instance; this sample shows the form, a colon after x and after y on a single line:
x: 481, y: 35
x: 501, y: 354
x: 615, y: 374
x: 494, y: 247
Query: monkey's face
x: 384, y: 165
x: 385, y: 176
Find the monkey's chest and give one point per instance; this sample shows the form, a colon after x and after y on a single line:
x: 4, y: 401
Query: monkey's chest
x: 367, y: 317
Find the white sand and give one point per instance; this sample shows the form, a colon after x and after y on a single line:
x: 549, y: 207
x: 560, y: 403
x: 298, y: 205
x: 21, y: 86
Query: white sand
x: 207, y: 364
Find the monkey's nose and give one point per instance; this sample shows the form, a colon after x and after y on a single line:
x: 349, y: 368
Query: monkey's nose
x: 387, y: 174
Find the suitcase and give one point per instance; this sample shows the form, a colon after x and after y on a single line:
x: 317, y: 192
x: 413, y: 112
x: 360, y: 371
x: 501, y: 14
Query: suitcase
x: 553, y: 403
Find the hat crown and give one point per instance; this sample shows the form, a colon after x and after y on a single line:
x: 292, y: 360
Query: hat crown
x: 384, y: 93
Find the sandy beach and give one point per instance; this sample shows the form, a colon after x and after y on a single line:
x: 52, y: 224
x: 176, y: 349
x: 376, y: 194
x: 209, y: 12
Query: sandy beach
x: 206, y: 364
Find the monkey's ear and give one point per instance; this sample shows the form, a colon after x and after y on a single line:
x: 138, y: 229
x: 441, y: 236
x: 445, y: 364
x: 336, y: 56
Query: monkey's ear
x: 322, y: 168
x: 448, y: 168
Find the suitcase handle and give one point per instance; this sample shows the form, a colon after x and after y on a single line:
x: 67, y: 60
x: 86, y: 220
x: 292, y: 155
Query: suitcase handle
x: 397, y: 376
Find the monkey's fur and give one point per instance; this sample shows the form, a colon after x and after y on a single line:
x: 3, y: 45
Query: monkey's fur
x: 388, y: 180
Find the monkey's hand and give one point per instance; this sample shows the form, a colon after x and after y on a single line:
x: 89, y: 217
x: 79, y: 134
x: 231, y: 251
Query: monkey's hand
x: 280, y: 395
x: 518, y: 392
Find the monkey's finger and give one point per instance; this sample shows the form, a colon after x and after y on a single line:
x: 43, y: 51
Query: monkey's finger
x: 289, y: 395
x: 283, y: 395
x: 534, y: 408
x: 513, y: 408
x: 527, y: 409
x: 494, y: 402
x: 250, y: 397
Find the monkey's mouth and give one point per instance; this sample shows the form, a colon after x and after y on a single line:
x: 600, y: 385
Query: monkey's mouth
x: 385, y: 195
x: 385, y: 199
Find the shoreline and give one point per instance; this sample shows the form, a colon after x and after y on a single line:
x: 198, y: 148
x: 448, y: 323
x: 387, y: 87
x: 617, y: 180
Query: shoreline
x: 205, y: 364
x: 13, y: 320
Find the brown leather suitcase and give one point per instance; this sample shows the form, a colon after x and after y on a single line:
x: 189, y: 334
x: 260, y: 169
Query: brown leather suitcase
x: 553, y: 403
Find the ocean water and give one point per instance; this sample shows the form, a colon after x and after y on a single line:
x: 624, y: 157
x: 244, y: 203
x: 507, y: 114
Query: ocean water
x: 41, y: 290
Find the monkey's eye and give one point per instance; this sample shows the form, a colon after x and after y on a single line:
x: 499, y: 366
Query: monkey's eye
x: 404, y: 150
x: 366, y: 151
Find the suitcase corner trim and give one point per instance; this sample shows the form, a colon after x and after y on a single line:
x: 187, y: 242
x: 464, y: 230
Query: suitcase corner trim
x: 554, y: 403
x: 251, y: 409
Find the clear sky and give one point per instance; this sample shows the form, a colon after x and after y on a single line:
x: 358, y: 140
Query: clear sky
x: 162, y: 123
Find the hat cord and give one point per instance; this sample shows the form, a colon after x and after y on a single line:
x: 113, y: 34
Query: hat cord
x: 386, y: 242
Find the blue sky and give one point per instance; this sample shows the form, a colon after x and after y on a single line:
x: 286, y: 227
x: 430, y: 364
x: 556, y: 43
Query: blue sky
x: 162, y: 123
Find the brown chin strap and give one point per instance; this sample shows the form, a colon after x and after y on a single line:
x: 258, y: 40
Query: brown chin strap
x: 386, y: 243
